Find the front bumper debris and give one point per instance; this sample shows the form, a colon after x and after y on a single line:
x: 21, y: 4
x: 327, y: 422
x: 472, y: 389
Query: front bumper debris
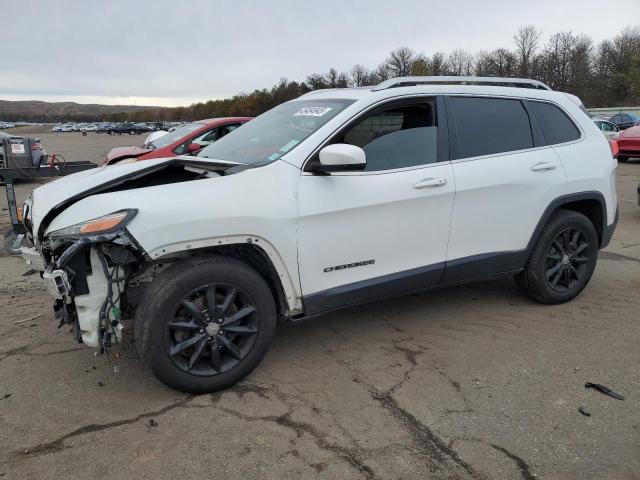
x: 32, y: 258
x: 57, y: 282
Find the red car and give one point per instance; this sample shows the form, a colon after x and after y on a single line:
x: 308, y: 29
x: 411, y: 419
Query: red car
x: 629, y: 143
x: 186, y: 140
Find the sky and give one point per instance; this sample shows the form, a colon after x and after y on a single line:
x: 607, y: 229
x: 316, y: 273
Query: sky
x: 178, y: 52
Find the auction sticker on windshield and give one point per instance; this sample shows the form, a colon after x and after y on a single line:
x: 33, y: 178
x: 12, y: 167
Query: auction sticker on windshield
x: 289, y: 146
x: 312, y: 111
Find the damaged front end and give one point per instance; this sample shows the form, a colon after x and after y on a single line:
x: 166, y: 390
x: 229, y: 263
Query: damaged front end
x: 95, y: 269
x: 86, y: 268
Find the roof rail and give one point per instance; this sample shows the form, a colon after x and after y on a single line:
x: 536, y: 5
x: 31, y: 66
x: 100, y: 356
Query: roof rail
x: 411, y: 81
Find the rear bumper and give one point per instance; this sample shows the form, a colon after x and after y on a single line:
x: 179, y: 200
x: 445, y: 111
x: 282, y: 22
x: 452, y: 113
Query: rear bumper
x: 608, y: 231
x: 629, y: 147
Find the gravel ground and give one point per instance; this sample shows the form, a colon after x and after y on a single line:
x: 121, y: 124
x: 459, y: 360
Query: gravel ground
x: 470, y: 382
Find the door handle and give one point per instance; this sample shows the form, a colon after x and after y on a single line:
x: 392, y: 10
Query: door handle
x: 543, y: 167
x: 430, y: 182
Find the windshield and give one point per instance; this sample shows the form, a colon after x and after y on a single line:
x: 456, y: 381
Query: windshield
x: 276, y: 132
x: 176, y: 135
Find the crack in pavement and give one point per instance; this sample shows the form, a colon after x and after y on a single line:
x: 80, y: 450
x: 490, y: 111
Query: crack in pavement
x: 524, y: 468
x: 617, y: 257
x: 58, y: 444
x: 422, y: 434
x: 285, y: 420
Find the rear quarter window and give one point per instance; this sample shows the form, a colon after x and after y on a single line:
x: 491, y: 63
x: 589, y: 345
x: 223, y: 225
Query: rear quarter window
x: 556, y: 125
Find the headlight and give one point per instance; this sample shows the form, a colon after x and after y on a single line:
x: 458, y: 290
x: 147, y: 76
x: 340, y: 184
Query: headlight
x: 106, y: 224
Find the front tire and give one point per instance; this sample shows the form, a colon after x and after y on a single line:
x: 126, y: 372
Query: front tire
x: 563, y: 259
x: 205, y: 324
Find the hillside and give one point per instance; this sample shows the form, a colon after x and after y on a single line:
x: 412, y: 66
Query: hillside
x: 37, y: 111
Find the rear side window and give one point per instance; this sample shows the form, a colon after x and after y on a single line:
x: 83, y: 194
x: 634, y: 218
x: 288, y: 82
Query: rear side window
x: 489, y: 125
x: 556, y: 126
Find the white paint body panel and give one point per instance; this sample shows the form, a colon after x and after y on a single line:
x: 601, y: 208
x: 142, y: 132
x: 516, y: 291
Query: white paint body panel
x: 254, y: 204
x: 372, y: 216
x: 499, y: 201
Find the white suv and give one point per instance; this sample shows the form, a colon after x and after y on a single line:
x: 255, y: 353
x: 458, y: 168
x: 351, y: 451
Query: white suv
x: 338, y: 197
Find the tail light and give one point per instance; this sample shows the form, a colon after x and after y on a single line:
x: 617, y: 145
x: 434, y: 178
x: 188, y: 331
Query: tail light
x: 615, y: 150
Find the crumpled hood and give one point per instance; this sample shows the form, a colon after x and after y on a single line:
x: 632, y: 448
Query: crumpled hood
x: 70, y: 188
x: 124, y: 152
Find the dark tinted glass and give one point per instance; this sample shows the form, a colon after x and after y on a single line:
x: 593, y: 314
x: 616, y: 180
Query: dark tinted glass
x: 398, y: 137
x: 556, y: 125
x: 490, y: 125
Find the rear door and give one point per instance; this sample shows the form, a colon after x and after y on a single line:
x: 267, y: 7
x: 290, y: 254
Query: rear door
x: 382, y: 231
x: 505, y: 177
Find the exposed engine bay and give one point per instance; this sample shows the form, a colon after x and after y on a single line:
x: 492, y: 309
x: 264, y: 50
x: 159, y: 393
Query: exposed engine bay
x: 96, y: 270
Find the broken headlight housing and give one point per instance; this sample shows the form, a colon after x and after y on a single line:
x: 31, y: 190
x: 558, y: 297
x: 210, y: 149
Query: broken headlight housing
x: 105, y: 224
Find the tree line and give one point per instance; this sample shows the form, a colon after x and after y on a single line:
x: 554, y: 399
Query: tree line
x: 601, y: 74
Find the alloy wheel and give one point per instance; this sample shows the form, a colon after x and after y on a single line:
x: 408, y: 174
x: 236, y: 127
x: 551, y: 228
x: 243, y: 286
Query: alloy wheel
x: 211, y: 329
x: 567, y: 259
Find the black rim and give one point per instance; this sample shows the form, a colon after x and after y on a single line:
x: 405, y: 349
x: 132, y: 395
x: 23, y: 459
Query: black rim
x: 211, y: 329
x: 567, y: 259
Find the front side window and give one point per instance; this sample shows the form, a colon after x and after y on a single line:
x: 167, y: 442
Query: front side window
x: 397, y: 137
x: 276, y: 132
x: 489, y: 125
x: 556, y: 126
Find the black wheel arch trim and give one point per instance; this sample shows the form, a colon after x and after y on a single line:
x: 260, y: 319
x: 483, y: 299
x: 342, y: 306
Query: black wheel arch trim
x: 571, y: 198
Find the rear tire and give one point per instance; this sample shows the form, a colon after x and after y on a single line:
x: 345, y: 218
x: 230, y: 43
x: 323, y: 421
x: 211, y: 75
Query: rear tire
x: 185, y: 325
x: 563, y: 259
x: 622, y: 158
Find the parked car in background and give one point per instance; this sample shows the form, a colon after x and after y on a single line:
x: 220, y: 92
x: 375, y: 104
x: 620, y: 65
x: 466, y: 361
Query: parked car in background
x: 629, y: 144
x: 609, y: 130
x: 188, y: 139
x: 104, y: 127
x: 130, y: 128
x: 64, y: 128
x: 624, y: 120
x: 88, y: 128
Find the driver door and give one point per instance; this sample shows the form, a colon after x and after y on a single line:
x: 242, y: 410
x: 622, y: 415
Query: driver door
x: 384, y: 230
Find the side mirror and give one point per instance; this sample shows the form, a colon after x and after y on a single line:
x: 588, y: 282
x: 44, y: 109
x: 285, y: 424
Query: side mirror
x: 193, y: 147
x: 341, y: 157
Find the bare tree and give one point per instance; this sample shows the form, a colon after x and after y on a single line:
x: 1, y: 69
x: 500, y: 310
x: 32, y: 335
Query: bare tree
x: 335, y: 79
x: 361, y: 76
x: 438, y: 64
x: 526, y: 40
x: 399, y: 62
x: 497, y: 63
x: 556, y: 60
x: 460, y: 62
x: 316, y: 81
